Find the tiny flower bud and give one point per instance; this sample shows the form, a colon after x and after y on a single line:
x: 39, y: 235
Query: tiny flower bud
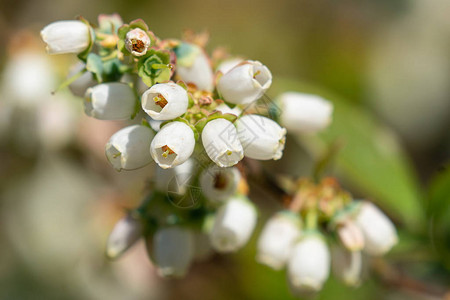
x: 261, y: 137
x: 351, y: 236
x: 245, y: 83
x: 165, y: 101
x: 221, y: 143
x: 346, y: 265
x: 124, y: 234
x: 128, y: 148
x: 66, y: 37
x: 137, y: 42
x: 173, y: 250
x: 277, y: 239
x: 233, y: 225
x: 172, y: 145
x: 110, y: 101
x: 304, y: 113
x: 193, y: 66
x: 219, y: 184
x: 228, y: 64
x: 379, y: 232
x: 309, y: 264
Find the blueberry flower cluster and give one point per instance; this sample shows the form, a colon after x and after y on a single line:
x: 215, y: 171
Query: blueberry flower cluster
x: 200, y: 118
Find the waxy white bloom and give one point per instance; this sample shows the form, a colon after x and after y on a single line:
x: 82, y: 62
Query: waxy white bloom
x: 165, y: 101
x: 110, y: 101
x: 172, y: 145
x: 229, y: 64
x: 350, y: 235
x: 66, y: 37
x: 379, y: 232
x: 137, y: 42
x: 245, y: 83
x: 196, y: 69
x: 346, y: 265
x: 124, y: 234
x: 304, y: 113
x: 309, y: 264
x: 82, y: 83
x: 176, y: 179
x: 233, y: 225
x: 173, y: 251
x: 221, y: 142
x: 128, y: 148
x: 218, y: 184
x: 225, y: 109
x: 261, y: 137
x: 277, y: 239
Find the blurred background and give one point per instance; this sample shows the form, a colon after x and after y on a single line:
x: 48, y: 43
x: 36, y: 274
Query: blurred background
x: 384, y: 64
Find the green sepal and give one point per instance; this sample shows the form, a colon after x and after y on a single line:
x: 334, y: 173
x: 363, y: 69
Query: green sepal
x: 94, y: 65
x: 215, y: 115
x: 191, y: 102
x: 83, y: 55
x: 123, y: 30
x: 182, y: 84
x: 151, y: 75
x: 137, y: 102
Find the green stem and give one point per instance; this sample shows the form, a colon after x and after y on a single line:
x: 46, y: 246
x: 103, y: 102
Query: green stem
x: 311, y: 219
x: 69, y: 80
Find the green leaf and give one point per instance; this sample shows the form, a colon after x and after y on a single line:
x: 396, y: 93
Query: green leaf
x: 371, y: 159
x: 94, y: 65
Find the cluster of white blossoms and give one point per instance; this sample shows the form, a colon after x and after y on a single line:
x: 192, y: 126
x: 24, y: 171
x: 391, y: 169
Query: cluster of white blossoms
x: 200, y: 119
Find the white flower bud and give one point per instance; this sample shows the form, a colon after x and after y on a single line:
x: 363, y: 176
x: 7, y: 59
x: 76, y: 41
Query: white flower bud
x: 218, y: 184
x: 220, y: 140
x: 379, y: 232
x: 175, y: 179
x: 137, y: 42
x: 245, y: 83
x: 82, y: 83
x: 233, y: 225
x: 228, y: 64
x: 304, y: 113
x: 128, y: 148
x: 309, y: 264
x: 261, y: 137
x: 225, y: 109
x: 165, y: 101
x: 346, y: 265
x: 124, y: 234
x: 196, y: 69
x: 66, y: 37
x: 110, y: 101
x: 277, y: 239
x: 173, y: 250
x: 172, y: 145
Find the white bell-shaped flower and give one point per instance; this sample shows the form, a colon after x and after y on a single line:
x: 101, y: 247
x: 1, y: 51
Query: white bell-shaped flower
x: 137, y: 42
x: 172, y: 145
x: 233, y: 225
x: 196, y: 68
x: 219, y: 184
x: 128, y: 148
x: 379, y: 232
x: 304, y: 113
x: 261, y: 137
x: 346, y: 265
x: 176, y: 179
x: 277, y: 239
x: 228, y: 64
x: 124, y: 234
x: 245, y: 83
x: 110, y: 101
x: 221, y: 142
x: 66, y: 37
x: 350, y: 235
x: 173, y: 251
x: 165, y: 101
x: 309, y: 264
x: 225, y: 109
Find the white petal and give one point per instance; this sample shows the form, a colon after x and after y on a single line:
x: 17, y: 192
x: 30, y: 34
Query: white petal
x: 225, y: 109
x: 221, y: 143
x: 66, y: 37
x: 124, y: 234
x: 175, y: 179
x: 79, y: 86
x: 245, y: 83
x: 261, y: 137
x: 110, y: 101
x: 199, y: 72
x: 179, y: 138
x: 137, y: 42
x: 277, y: 239
x: 233, y: 225
x: 229, y: 64
x: 309, y: 264
x: 173, y: 250
x: 175, y: 95
x: 304, y: 113
x: 128, y: 148
x: 218, y: 184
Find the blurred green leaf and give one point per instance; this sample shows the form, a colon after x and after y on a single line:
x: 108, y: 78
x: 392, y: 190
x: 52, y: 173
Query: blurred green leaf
x: 371, y: 158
